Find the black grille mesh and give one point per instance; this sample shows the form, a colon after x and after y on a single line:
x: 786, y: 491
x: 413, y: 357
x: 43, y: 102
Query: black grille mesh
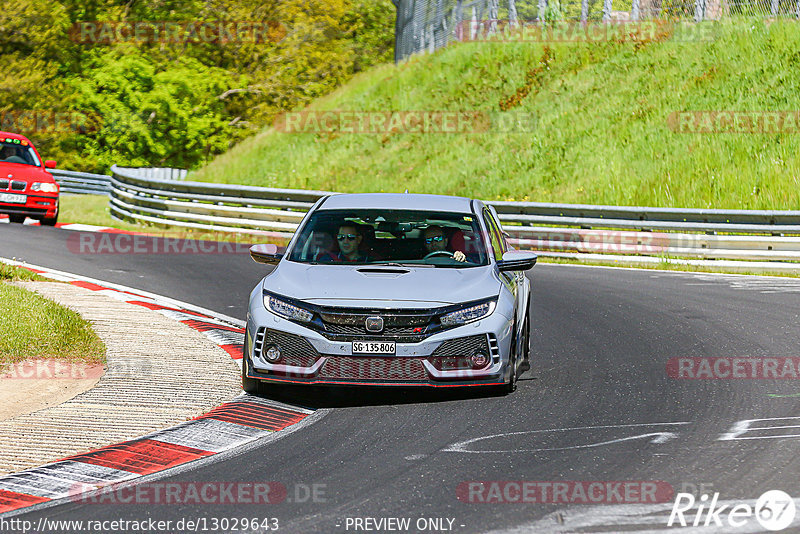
x: 463, y: 346
x: 365, y: 368
x: 360, y: 330
x: 295, y: 350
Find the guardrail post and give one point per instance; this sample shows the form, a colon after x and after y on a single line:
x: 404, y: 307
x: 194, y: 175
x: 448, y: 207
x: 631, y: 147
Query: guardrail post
x: 699, y: 10
x: 607, y: 7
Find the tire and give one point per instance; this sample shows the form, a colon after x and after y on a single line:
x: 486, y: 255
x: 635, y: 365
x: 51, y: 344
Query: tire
x: 526, y: 346
x: 44, y: 221
x: 511, y: 385
x: 16, y: 218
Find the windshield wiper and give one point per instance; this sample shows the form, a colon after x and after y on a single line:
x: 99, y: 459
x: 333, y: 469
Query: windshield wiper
x: 395, y: 264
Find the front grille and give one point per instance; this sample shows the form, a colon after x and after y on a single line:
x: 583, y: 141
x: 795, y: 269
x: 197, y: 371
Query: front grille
x: 295, y: 350
x: 353, y: 330
x: 406, y: 325
x: 364, y: 368
x: 18, y: 185
x: 4, y: 184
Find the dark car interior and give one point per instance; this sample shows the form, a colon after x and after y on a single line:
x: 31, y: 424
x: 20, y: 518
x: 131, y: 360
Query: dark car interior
x: 390, y: 241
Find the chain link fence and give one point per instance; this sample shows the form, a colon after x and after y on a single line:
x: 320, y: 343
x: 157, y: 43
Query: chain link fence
x: 426, y: 25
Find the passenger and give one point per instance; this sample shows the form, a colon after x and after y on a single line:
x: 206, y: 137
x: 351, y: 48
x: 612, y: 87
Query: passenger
x: 349, y: 238
x: 435, y: 240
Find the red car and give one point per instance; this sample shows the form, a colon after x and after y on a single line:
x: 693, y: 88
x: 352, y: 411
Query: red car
x: 26, y: 188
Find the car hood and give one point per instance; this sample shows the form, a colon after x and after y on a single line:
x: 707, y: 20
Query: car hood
x: 28, y: 173
x: 366, y: 285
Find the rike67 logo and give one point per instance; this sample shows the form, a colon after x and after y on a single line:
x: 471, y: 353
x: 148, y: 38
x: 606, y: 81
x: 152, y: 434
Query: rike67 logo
x: 774, y: 511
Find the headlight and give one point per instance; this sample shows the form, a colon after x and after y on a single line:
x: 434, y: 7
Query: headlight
x: 45, y: 187
x: 468, y: 315
x: 286, y: 310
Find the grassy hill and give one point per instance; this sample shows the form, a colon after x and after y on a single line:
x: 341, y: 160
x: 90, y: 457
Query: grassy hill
x: 602, y: 132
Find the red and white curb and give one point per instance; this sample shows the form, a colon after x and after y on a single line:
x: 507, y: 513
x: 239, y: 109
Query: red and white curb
x: 225, y: 331
x: 73, y: 226
x: 227, y: 427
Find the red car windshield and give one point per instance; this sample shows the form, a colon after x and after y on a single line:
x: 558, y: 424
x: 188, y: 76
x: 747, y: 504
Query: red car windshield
x: 11, y: 152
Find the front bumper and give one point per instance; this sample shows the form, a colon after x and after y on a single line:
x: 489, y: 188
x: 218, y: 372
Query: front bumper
x: 437, y: 361
x: 36, y: 206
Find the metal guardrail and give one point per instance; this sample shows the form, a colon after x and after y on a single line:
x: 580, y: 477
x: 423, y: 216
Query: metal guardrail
x: 83, y: 183
x: 694, y: 233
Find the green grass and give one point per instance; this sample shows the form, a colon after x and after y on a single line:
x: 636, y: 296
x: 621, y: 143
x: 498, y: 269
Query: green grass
x: 90, y: 209
x: 601, y: 137
x: 35, y: 328
x: 12, y: 273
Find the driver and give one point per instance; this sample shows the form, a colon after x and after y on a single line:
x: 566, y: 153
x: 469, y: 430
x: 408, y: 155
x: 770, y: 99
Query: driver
x: 436, y: 241
x: 349, y: 238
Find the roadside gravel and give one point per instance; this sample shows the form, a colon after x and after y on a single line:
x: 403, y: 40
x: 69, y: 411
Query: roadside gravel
x: 159, y: 373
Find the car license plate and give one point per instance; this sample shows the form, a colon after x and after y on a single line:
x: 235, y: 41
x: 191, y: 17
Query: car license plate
x: 373, y: 347
x: 11, y: 198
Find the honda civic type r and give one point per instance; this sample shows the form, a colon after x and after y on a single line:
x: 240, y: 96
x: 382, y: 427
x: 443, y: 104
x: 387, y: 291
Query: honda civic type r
x: 391, y: 289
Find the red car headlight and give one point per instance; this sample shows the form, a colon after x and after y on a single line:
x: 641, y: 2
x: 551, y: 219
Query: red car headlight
x: 45, y: 187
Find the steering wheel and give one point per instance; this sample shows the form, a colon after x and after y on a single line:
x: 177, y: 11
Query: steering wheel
x: 439, y: 253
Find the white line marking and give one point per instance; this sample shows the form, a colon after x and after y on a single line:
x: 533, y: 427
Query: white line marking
x: 743, y: 426
x: 658, y: 438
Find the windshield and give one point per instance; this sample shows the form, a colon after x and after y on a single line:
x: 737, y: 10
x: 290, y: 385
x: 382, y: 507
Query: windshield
x: 404, y: 237
x: 16, y: 151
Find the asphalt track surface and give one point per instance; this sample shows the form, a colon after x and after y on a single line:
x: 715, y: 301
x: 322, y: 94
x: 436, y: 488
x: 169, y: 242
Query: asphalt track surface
x: 601, y: 340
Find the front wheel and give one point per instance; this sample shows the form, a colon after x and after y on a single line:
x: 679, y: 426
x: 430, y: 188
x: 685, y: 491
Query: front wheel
x: 511, y: 386
x: 49, y: 221
x: 526, y: 346
x: 16, y: 218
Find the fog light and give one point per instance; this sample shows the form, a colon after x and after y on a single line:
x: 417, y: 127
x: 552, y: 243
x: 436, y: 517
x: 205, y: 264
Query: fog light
x: 272, y: 354
x: 479, y: 360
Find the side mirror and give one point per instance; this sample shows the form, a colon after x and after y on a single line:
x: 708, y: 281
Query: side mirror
x: 517, y: 260
x: 265, y: 254
x: 50, y: 163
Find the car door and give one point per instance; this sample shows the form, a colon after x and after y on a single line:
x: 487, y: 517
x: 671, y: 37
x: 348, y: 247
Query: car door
x: 516, y: 281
